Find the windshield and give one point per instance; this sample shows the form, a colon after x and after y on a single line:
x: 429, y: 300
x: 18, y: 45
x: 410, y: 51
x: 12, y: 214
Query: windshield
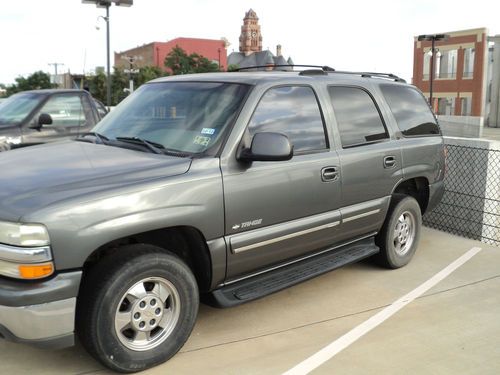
x: 188, y: 117
x: 16, y: 108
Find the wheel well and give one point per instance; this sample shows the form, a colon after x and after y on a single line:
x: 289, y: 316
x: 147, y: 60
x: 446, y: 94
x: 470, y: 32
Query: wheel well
x: 186, y: 242
x: 417, y: 188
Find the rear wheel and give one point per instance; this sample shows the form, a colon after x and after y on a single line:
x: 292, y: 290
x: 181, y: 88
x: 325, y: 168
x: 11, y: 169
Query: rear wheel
x: 137, y: 308
x: 400, y: 234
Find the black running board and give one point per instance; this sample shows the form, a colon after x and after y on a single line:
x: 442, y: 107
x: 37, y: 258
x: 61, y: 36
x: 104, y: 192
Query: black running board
x: 273, y: 281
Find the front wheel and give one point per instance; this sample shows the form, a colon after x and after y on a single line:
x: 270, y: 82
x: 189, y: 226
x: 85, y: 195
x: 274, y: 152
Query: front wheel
x: 400, y: 234
x: 137, y: 308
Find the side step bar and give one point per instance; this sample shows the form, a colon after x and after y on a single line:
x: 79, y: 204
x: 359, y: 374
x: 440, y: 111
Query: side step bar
x: 281, y: 278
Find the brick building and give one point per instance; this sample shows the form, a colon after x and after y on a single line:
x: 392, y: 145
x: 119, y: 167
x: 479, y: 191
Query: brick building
x: 153, y: 54
x: 460, y: 75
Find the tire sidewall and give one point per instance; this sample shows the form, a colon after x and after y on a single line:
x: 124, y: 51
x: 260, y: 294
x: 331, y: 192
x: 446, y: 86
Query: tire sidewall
x: 111, y: 350
x: 394, y: 259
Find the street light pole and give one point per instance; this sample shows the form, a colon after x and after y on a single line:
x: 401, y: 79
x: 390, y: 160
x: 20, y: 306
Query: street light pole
x: 108, y: 73
x: 431, y: 78
x: 106, y: 4
x: 432, y: 38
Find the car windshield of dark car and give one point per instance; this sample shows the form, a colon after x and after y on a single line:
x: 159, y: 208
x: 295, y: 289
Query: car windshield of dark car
x: 15, y: 109
x: 186, y: 117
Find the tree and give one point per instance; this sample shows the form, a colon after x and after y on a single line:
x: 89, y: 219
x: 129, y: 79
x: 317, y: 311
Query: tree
x: 148, y: 73
x: 233, y: 67
x: 179, y: 62
x: 35, y: 81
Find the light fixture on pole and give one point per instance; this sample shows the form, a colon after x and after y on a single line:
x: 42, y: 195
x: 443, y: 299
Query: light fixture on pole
x: 106, y: 4
x: 432, y: 38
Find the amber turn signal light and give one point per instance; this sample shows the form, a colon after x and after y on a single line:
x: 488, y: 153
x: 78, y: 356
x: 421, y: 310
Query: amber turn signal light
x: 35, y: 271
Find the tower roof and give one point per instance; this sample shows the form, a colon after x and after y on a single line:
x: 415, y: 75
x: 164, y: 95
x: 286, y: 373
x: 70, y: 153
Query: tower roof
x: 251, y: 14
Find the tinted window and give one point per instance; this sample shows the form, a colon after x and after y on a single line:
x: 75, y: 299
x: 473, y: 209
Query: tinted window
x: 410, y: 109
x: 65, y: 110
x: 292, y: 111
x: 358, y: 118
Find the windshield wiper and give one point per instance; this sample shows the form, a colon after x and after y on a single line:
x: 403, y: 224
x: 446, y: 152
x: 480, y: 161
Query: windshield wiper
x: 99, y: 138
x: 154, y: 147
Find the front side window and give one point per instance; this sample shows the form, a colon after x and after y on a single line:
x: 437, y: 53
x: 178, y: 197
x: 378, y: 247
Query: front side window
x: 411, y: 111
x: 65, y: 110
x: 17, y: 108
x: 294, y: 112
x: 188, y: 117
x: 358, y: 118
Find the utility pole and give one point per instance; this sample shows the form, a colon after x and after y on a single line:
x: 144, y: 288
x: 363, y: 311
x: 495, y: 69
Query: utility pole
x: 55, y: 64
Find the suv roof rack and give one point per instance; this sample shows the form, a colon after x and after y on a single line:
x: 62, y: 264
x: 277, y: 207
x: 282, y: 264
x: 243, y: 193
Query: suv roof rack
x: 374, y: 74
x: 324, y: 70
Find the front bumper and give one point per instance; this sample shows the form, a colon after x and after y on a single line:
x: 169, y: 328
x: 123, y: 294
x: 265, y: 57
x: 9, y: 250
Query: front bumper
x: 41, y: 313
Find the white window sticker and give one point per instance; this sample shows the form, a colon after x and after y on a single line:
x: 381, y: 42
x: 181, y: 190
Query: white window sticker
x: 209, y: 131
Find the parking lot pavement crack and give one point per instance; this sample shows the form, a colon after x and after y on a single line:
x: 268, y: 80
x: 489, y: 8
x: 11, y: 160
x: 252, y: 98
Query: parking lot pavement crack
x: 460, y: 286
x: 331, y: 319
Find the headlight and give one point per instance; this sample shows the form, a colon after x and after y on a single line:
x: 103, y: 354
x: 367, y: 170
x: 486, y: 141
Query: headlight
x: 26, y: 235
x: 24, y: 251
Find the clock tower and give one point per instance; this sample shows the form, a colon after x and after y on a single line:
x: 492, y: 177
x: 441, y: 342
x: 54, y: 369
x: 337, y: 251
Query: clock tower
x: 250, y: 37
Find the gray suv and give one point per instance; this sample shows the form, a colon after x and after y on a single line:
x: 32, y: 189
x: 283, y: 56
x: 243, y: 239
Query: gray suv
x: 220, y: 187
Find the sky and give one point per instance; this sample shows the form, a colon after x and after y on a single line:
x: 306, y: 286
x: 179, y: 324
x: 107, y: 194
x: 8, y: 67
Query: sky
x: 354, y: 35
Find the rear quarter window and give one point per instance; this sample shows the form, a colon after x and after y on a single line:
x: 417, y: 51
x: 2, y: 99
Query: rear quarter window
x: 412, y: 114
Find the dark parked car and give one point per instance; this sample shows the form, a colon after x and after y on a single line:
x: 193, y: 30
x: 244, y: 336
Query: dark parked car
x: 40, y: 116
x: 230, y: 186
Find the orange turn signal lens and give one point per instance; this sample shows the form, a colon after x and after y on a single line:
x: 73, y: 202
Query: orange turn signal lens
x: 35, y: 271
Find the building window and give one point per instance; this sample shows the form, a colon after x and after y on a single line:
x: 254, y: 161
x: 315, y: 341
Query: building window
x: 466, y: 106
x: 427, y: 65
x: 446, y: 106
x: 447, y: 64
x: 469, y: 54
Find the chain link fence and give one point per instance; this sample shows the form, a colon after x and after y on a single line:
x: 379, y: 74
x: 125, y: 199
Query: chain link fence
x: 471, y: 203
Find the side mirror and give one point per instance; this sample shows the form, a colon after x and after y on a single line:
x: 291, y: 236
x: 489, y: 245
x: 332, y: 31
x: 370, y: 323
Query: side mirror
x: 268, y: 147
x: 43, y: 119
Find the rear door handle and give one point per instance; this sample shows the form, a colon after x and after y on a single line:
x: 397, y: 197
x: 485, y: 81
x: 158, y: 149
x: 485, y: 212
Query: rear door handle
x: 389, y: 162
x: 329, y: 174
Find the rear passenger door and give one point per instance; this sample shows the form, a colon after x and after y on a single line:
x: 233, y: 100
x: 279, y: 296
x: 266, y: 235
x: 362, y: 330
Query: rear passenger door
x: 370, y: 162
x: 280, y: 210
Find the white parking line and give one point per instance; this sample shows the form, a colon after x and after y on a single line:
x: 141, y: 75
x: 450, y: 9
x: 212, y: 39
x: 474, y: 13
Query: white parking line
x: 325, y: 354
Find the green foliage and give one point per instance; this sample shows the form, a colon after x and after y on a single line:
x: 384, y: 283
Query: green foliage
x: 120, y: 82
x: 179, y: 62
x: 233, y: 67
x: 148, y: 73
x: 35, y: 81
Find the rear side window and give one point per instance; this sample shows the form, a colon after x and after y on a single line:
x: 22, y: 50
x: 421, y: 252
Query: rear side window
x: 410, y: 110
x: 294, y: 112
x: 358, y: 118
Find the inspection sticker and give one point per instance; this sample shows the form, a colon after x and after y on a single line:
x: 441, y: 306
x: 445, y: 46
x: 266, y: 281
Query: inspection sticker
x: 209, y: 131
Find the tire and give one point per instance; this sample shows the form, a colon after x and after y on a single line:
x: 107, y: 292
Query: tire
x: 398, y: 239
x: 136, y: 308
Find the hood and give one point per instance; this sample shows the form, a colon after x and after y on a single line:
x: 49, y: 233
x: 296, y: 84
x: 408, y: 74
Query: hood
x: 35, y: 177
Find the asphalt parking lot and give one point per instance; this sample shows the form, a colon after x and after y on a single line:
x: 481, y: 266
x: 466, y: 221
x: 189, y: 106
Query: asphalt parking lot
x: 453, y: 328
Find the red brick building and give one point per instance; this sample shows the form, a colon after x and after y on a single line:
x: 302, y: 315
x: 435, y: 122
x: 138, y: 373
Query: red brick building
x: 153, y: 54
x: 460, y: 72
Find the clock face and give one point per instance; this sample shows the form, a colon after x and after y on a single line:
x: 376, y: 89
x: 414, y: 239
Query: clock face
x: 254, y: 34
